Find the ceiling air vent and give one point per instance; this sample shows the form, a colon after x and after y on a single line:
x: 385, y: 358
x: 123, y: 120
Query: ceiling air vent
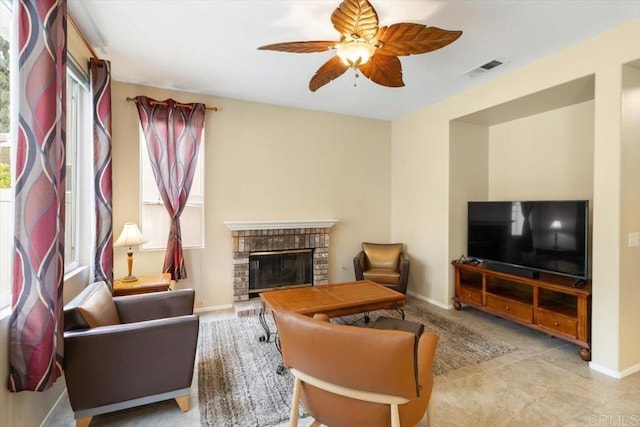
x: 481, y: 69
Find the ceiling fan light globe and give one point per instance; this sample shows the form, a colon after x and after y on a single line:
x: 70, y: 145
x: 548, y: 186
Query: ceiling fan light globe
x: 355, y: 53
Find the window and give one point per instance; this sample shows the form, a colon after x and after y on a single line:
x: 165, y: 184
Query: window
x: 154, y: 219
x: 6, y: 191
x: 79, y: 164
x: 78, y: 167
x: 517, y: 219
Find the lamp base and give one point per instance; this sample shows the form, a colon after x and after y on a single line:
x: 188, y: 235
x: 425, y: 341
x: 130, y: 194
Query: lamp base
x: 129, y: 279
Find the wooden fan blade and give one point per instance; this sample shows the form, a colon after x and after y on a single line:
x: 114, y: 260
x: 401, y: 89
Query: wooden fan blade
x: 330, y: 70
x: 412, y: 39
x: 384, y: 69
x: 300, y: 47
x: 356, y: 17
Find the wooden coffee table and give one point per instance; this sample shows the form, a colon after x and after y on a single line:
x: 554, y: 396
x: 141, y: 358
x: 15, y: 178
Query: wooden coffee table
x: 340, y: 299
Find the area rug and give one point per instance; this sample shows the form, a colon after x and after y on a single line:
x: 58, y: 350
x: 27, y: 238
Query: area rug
x: 237, y: 380
x: 458, y: 345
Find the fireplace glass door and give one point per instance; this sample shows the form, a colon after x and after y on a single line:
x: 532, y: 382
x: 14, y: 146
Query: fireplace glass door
x: 280, y: 269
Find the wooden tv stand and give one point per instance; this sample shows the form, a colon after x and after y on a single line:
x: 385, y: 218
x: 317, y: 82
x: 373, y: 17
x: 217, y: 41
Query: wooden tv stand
x: 549, y: 303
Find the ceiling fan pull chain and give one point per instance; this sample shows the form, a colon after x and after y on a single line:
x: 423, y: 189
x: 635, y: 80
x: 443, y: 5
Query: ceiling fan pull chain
x: 355, y: 81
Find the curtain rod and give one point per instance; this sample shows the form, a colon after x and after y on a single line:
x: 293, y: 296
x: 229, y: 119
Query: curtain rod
x: 177, y: 104
x: 82, y: 37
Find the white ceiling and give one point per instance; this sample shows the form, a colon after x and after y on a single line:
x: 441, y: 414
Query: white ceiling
x: 210, y: 46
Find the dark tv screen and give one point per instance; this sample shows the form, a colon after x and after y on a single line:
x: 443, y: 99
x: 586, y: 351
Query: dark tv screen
x: 550, y: 236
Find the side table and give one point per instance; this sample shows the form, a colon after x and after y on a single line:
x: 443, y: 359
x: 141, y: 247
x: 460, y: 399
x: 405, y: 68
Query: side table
x: 144, y: 285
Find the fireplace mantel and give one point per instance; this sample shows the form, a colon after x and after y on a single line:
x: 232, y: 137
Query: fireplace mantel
x: 279, y: 225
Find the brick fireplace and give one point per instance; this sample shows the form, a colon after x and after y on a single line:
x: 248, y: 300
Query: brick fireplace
x: 261, y: 236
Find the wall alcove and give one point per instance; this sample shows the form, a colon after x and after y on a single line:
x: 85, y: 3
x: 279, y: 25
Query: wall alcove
x: 577, y: 140
x: 536, y: 147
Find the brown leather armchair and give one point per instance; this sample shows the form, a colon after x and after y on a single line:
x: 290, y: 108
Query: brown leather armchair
x: 382, y: 263
x: 128, y: 351
x: 340, y: 384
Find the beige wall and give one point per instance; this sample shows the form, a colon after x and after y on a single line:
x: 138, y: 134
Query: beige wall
x: 630, y: 220
x: 6, y: 408
x: 607, y: 214
x: 547, y: 156
x: 422, y: 165
x: 76, y: 46
x: 264, y: 163
x: 420, y: 188
x: 468, y: 177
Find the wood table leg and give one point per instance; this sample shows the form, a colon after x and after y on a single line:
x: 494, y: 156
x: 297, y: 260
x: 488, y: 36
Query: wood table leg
x: 83, y: 422
x: 183, y: 403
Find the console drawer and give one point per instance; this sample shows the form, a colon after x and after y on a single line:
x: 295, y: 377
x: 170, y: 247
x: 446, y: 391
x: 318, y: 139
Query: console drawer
x: 470, y: 295
x: 557, y: 322
x: 510, y: 308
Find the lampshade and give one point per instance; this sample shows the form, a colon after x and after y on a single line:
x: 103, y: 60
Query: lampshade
x: 355, y: 53
x: 556, y: 225
x: 130, y: 236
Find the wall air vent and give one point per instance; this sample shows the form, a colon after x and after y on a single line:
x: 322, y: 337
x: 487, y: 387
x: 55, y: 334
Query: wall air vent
x: 481, y: 69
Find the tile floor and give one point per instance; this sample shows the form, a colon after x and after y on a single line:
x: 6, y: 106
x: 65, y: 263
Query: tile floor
x: 542, y: 383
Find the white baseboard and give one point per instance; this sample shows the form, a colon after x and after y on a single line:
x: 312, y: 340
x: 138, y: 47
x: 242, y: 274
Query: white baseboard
x: 430, y: 301
x: 615, y: 374
x: 212, y: 308
x: 603, y: 370
x: 630, y: 371
x: 48, y: 420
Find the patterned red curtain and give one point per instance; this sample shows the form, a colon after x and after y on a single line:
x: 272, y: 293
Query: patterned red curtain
x: 35, y: 335
x: 103, y: 251
x: 173, y: 132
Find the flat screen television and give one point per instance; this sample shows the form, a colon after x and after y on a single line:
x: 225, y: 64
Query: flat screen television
x: 547, y: 236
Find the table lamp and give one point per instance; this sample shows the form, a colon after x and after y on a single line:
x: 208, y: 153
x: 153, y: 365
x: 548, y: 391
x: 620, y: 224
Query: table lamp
x: 130, y: 236
x: 555, y: 226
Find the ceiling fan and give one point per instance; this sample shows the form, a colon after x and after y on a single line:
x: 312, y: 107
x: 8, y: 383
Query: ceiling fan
x: 366, y: 47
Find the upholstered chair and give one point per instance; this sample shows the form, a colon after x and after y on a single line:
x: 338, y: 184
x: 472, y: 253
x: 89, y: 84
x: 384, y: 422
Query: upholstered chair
x: 341, y: 385
x: 382, y: 263
x: 128, y: 351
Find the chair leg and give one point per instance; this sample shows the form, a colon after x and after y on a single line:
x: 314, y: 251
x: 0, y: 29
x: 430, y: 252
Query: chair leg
x: 429, y: 416
x: 183, y: 402
x: 395, y: 416
x: 83, y: 422
x: 295, y: 402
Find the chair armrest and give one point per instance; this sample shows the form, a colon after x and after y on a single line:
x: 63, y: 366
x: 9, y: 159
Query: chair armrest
x: 157, y: 305
x: 359, y: 265
x: 403, y: 267
x: 122, y: 362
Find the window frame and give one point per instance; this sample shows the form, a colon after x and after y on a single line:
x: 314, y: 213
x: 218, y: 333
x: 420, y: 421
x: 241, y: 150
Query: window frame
x: 84, y: 167
x: 8, y: 193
